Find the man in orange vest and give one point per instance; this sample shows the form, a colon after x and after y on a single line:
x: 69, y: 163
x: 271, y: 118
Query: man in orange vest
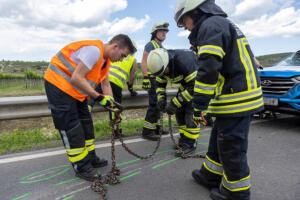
x: 70, y: 78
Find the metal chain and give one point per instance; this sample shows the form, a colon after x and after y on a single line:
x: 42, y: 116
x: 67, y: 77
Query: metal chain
x: 111, y: 177
x: 157, y: 144
x: 179, y: 149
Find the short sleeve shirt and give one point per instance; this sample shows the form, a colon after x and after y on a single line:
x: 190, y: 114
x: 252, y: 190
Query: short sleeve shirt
x: 152, y: 45
x: 88, y: 55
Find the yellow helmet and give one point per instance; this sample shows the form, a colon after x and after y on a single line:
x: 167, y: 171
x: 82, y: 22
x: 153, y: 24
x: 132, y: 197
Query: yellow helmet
x: 184, y: 6
x: 157, y: 61
x: 160, y: 25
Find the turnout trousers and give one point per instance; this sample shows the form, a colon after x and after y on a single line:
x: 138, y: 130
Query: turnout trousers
x: 226, y: 159
x: 152, y: 116
x: 74, y: 123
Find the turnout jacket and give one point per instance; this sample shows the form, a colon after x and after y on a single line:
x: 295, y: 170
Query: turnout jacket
x: 182, y: 70
x: 227, y: 82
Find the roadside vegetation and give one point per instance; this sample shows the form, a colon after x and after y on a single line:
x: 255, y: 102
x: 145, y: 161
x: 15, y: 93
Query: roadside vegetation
x: 38, y: 138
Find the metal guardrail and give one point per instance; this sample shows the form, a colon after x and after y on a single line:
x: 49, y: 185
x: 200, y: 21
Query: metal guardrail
x: 37, y: 106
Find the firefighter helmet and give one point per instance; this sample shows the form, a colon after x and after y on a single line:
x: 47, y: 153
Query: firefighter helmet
x: 184, y: 6
x: 160, y: 25
x: 157, y: 61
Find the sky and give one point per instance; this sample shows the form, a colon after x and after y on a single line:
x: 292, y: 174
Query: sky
x: 35, y: 30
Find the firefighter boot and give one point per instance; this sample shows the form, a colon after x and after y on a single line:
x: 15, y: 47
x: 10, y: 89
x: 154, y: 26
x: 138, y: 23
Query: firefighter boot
x: 118, y: 134
x: 89, y: 174
x: 96, y: 161
x: 150, y: 134
x: 205, y: 179
x: 186, y: 149
x: 223, y: 194
x: 179, y: 144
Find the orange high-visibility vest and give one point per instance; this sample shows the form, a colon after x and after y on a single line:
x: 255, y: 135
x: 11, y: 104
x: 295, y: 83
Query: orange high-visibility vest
x: 61, y: 68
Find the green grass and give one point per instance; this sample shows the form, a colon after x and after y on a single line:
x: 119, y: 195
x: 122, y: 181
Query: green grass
x: 37, y: 138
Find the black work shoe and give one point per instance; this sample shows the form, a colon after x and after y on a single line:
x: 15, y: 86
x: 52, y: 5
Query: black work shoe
x: 90, y: 174
x: 150, y: 135
x: 186, y: 149
x: 97, y: 162
x: 203, y: 181
x: 179, y: 144
x: 222, y: 194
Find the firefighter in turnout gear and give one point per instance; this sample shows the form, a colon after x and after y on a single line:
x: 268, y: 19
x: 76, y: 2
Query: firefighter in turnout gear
x: 178, y: 66
x: 151, y: 125
x: 70, y: 78
x: 228, y: 87
x: 119, y: 73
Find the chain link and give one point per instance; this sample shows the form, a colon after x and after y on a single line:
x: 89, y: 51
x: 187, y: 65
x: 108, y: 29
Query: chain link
x: 179, y: 149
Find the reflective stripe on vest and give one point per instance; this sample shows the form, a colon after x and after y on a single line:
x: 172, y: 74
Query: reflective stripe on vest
x: 60, y: 70
x: 239, y: 185
x: 120, y: 71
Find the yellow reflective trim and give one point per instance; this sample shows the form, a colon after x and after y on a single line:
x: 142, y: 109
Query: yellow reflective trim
x: 74, y: 151
x: 197, y: 90
x: 251, y: 64
x: 186, y: 95
x: 160, y: 80
x: 205, y: 84
x: 176, y: 102
x: 91, y: 147
x: 212, y: 171
x: 211, y: 49
x: 232, y: 182
x: 190, y: 77
x: 79, y: 157
x: 216, y: 163
x: 189, y: 135
x: 238, y: 94
x: 238, y: 189
x: 160, y: 90
x: 244, y: 64
x: 235, y: 105
x: 220, y: 84
x: 89, y: 141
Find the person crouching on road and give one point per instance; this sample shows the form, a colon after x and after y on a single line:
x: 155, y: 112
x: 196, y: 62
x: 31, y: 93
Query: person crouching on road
x: 228, y: 87
x: 118, y: 74
x: 70, y: 78
x: 178, y: 66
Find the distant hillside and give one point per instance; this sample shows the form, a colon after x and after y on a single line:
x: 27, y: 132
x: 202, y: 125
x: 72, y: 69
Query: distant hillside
x: 269, y: 60
x: 18, y: 67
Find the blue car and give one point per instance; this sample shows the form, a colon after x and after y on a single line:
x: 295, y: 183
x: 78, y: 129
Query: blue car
x: 281, y: 85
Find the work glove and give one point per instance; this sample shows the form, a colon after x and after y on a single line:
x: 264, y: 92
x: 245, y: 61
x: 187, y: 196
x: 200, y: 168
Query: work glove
x: 199, y: 117
x: 105, y: 101
x: 90, y: 108
x: 171, y: 108
x: 146, y: 83
x: 132, y: 92
x: 114, y: 113
x: 161, y: 102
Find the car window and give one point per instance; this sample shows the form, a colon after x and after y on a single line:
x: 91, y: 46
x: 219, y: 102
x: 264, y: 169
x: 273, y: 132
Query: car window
x: 289, y: 61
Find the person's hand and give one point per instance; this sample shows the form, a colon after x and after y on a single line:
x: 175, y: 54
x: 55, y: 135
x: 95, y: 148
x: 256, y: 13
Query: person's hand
x: 161, y: 102
x: 146, y: 83
x: 171, y: 108
x: 105, y: 101
x: 198, y: 117
x: 132, y: 92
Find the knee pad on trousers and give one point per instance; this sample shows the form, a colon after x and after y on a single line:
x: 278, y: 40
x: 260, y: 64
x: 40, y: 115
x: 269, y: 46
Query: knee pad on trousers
x: 73, y: 138
x: 230, y: 155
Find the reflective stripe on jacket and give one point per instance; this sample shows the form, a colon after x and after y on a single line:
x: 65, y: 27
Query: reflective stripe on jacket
x: 227, y: 82
x: 120, y: 71
x: 61, y: 67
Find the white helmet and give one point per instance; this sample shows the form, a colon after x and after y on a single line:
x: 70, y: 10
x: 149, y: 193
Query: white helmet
x: 160, y: 25
x: 184, y: 6
x: 157, y: 61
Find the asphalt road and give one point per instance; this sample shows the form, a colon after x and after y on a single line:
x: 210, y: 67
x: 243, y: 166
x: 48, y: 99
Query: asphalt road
x: 273, y: 156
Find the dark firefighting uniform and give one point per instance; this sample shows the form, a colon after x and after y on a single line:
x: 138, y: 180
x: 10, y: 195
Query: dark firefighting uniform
x: 227, y: 76
x: 152, y: 115
x: 182, y: 70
